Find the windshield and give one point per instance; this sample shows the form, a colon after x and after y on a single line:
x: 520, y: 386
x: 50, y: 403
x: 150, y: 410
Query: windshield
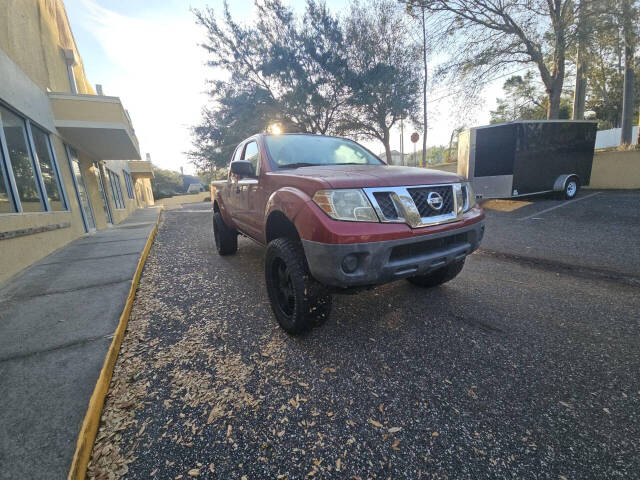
x: 291, y: 151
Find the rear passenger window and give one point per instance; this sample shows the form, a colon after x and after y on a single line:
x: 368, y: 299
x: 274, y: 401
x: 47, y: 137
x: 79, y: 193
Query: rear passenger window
x: 251, y: 155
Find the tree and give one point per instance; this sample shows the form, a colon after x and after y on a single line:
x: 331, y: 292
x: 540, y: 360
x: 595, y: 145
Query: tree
x: 629, y: 31
x: 165, y: 183
x: 382, y: 74
x: 235, y: 110
x: 296, y: 63
x: 453, y: 142
x: 490, y: 35
x: 523, y: 100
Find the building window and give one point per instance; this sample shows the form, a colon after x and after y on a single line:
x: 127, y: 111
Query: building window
x: 20, y: 161
x: 50, y: 176
x: 29, y: 174
x: 128, y: 183
x: 116, y: 189
x: 6, y: 202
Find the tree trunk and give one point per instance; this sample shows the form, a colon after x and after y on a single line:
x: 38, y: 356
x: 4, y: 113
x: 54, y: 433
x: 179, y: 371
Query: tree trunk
x: 553, y: 109
x: 628, y: 95
x: 387, y: 147
x: 580, y: 92
x: 424, y: 91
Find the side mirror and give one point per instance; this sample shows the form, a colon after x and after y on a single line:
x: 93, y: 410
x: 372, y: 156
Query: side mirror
x: 242, y: 168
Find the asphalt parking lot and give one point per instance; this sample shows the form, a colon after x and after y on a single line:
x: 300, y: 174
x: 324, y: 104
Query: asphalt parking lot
x: 525, y: 366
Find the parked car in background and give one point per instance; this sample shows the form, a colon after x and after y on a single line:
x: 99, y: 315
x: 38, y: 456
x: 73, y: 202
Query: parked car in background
x: 335, y: 218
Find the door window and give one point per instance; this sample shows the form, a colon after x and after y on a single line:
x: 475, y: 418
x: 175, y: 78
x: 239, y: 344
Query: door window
x: 103, y: 194
x: 252, y: 155
x: 81, y: 190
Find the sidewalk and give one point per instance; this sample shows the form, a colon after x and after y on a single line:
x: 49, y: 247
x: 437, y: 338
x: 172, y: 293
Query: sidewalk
x: 57, y: 318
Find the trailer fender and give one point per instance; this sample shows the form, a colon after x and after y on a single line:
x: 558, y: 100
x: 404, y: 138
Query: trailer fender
x: 562, y: 180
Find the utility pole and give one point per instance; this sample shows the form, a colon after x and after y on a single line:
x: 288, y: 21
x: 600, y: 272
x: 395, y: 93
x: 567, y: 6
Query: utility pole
x: 402, y: 162
x: 580, y: 91
x: 629, y: 77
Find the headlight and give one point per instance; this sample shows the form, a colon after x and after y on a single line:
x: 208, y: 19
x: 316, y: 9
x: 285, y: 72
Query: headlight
x: 469, y: 196
x: 351, y: 205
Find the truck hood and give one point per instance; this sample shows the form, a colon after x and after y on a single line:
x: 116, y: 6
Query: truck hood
x: 362, y: 176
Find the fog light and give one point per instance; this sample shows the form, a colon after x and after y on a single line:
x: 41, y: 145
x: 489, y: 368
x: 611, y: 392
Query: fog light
x: 350, y: 263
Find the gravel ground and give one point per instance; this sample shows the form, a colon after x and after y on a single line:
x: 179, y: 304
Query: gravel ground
x: 509, y: 371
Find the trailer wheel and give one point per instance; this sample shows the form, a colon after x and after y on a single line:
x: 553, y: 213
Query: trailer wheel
x: 571, y: 187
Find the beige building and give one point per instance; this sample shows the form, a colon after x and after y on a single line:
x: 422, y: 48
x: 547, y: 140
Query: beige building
x: 69, y: 158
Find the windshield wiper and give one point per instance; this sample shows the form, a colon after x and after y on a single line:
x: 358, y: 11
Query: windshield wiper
x: 299, y: 164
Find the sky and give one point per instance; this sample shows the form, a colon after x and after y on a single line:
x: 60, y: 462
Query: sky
x: 148, y: 53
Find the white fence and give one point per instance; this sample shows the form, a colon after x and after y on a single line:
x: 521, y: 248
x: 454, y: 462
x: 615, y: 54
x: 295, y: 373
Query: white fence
x: 611, y: 138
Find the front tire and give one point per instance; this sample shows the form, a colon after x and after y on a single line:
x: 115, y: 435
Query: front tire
x: 226, y: 239
x: 438, y: 277
x: 298, y: 301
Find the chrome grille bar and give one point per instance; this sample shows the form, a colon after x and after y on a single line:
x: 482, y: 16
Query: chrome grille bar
x: 408, y: 211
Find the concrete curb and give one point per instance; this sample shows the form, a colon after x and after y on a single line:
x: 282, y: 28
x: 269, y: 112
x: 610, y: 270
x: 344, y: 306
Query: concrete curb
x: 89, y: 429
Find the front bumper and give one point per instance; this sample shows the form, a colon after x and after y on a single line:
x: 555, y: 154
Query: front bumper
x: 385, y: 261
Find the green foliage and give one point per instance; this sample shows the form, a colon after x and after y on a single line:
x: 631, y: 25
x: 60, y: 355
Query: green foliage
x: 165, y: 183
x: 311, y: 73
x: 524, y: 100
x: 383, y: 74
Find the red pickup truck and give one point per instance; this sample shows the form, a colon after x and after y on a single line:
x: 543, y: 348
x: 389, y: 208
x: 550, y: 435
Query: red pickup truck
x: 334, y: 218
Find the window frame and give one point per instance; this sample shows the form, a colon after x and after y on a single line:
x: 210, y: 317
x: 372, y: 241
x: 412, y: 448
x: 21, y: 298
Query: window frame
x: 71, y: 153
x: 6, y: 167
x: 54, y: 166
x: 128, y: 183
x: 116, y: 189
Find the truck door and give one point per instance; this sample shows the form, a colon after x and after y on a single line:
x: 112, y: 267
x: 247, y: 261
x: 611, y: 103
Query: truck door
x: 251, y: 204
x: 231, y: 194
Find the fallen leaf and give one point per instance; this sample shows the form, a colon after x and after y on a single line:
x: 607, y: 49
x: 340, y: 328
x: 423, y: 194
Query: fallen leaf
x: 211, y: 468
x: 396, y: 442
x: 435, y: 434
x: 375, y: 423
x: 338, y: 464
x: 394, y: 429
x: 194, y: 472
x: 606, y: 410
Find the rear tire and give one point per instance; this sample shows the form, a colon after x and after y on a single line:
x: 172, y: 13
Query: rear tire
x: 299, y: 302
x: 571, y: 188
x: 438, y: 277
x: 226, y: 239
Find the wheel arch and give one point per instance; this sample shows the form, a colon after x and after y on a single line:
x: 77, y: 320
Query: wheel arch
x: 561, y: 182
x: 278, y: 225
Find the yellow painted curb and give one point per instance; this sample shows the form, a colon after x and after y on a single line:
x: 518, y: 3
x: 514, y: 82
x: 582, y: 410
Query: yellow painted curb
x: 89, y: 429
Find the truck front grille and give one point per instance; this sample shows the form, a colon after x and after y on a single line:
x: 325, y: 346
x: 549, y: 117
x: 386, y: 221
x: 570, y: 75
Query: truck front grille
x: 386, y: 205
x: 420, y: 197
x: 418, y: 205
